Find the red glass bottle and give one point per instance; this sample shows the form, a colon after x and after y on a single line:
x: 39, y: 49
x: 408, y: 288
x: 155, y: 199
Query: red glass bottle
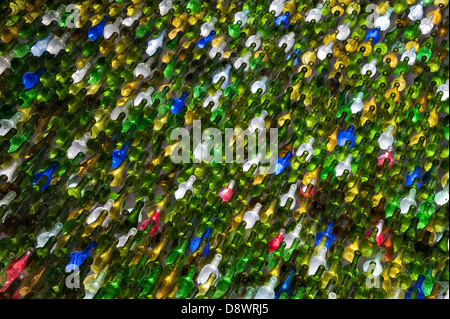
x: 16, y: 266
x: 155, y: 217
x: 274, y: 243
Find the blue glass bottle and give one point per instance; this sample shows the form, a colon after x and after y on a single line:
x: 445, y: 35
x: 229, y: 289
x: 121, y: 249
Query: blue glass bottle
x: 47, y: 172
x: 410, y: 178
x: 217, y: 75
x: 346, y: 135
x: 329, y: 233
x: 97, y: 30
x: 282, y: 163
x: 178, y: 103
x: 418, y: 285
x: 196, y: 242
x: 203, y: 42
x: 296, y: 51
x: 41, y: 46
x: 286, y: 285
x: 120, y: 154
x: 30, y: 79
x: 77, y: 258
x: 283, y: 19
x: 374, y: 34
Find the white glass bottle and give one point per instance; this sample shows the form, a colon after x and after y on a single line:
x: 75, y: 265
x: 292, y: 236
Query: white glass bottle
x: 357, y: 104
x: 214, y: 98
x: 165, y: 6
x: 324, y: 50
x: 5, y: 61
x: 411, y: 54
x: 123, y: 239
x: 444, y: 88
x: 383, y: 22
x: 407, y: 201
x: 218, y: 75
x: 345, y: 164
x: 40, y: 46
x: 79, y: 74
x: 386, y: 139
x: 308, y: 146
x: 317, y: 260
x: 258, y: 122
x: 267, y: 291
x: 97, y: 211
x: 9, y: 170
x: 441, y: 197
x: 378, y: 268
x: 146, y: 95
x: 252, y: 216
x: 291, y: 236
x: 256, y: 39
x: 208, y: 269
x: 371, y: 66
x: 184, y: 187
x: 344, y: 31
x: 218, y: 49
x: 207, y: 27
x: 78, y: 146
x: 289, y: 194
x: 55, y: 45
x: 248, y: 164
x: 112, y: 28
x: 155, y: 43
x: 260, y: 84
x: 426, y: 24
x: 143, y: 68
x: 241, y: 16
x: 314, y: 14
x: 128, y: 22
x: 43, y: 238
x: 288, y: 39
x: 416, y: 11
x: 245, y: 59
x: 53, y: 15
x: 277, y: 7
x: 7, y: 124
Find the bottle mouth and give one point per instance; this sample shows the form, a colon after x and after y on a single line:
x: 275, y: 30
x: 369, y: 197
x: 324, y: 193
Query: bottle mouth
x: 109, y: 203
x: 192, y: 179
x: 273, y: 281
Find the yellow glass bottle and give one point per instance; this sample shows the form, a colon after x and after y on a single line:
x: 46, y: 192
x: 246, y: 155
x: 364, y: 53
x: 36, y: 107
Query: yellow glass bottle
x: 118, y: 173
x: 237, y: 219
x: 167, y: 282
x: 268, y: 211
x: 102, y: 259
x: 397, y: 263
x: 203, y: 288
x: 88, y: 229
x: 156, y: 251
x: 331, y: 273
x: 274, y: 272
x: 349, y: 251
x: 385, y: 274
